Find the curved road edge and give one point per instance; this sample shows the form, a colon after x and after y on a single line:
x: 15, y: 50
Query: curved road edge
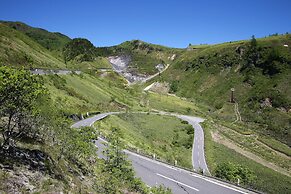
x: 198, y: 156
x: 154, y: 172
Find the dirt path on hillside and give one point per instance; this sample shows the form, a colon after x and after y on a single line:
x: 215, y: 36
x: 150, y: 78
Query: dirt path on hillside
x: 237, y: 113
x: 230, y: 144
x: 277, y: 152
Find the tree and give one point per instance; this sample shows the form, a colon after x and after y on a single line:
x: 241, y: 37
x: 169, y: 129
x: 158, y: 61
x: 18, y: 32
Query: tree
x: 115, y: 157
x: 19, y: 94
x: 116, y: 164
x: 174, y: 86
x: 251, y: 55
x: 272, y: 65
x: 77, y: 144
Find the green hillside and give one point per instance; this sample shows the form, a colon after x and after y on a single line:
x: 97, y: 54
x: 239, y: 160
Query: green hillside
x: 18, y: 49
x: 79, y: 49
x: 199, y: 78
x: 53, y: 41
x: 84, y: 93
x: 144, y: 56
x: 258, y: 75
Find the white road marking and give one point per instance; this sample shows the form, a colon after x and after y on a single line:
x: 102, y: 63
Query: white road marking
x: 217, y: 183
x: 187, y: 172
x: 168, y: 166
x: 177, y: 182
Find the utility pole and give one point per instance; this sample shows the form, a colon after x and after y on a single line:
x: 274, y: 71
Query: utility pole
x: 232, y: 95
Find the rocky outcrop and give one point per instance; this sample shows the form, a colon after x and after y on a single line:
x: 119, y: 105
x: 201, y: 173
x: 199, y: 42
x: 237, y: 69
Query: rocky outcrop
x: 266, y: 103
x: 120, y: 64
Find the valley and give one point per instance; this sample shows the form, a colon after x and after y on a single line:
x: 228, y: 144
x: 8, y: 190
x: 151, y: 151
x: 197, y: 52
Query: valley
x: 146, y: 96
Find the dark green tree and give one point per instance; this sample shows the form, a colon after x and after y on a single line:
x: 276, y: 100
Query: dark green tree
x: 272, y: 65
x: 251, y: 55
x: 174, y: 86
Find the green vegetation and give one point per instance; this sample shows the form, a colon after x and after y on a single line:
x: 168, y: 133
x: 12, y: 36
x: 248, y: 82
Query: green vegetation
x: 234, y: 173
x: 218, y: 154
x: 200, y: 79
x: 49, y: 40
x: 167, y: 137
x: 19, y: 93
x: 55, y: 154
x: 249, y: 142
x: 257, y: 69
x: 117, y: 165
x: 17, y: 49
x: 83, y: 93
x: 38, y: 48
x: 144, y: 56
x: 79, y: 49
x: 276, y: 145
x: 170, y: 103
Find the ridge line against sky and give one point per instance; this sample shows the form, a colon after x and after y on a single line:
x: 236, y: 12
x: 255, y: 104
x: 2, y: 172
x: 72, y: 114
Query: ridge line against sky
x: 173, y: 23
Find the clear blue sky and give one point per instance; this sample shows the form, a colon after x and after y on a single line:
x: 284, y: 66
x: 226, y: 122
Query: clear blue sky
x: 174, y: 23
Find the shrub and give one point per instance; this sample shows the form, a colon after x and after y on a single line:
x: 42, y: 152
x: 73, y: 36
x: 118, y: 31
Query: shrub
x: 234, y: 173
x: 174, y: 86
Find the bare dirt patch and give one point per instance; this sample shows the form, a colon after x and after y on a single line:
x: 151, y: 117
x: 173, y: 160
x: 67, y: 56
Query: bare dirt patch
x: 230, y: 144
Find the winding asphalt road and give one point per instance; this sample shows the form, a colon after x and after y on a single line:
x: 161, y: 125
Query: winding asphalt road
x: 154, y: 173
x: 53, y: 71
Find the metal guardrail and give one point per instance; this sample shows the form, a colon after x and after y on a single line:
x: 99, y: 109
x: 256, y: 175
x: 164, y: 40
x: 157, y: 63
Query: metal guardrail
x: 161, y: 160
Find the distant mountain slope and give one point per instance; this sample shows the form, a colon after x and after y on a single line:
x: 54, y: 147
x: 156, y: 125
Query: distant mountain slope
x: 258, y: 70
x: 144, y: 56
x: 79, y: 49
x: 49, y: 40
x: 22, y: 45
x: 18, y: 49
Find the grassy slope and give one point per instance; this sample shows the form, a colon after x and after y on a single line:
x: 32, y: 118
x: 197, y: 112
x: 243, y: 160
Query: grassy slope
x: 108, y: 92
x: 17, y: 49
x: 267, y: 180
x: 22, y: 45
x: 207, y: 74
x: 82, y: 93
x: 164, y: 136
x: 52, y: 41
x: 99, y: 62
x: 88, y: 92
